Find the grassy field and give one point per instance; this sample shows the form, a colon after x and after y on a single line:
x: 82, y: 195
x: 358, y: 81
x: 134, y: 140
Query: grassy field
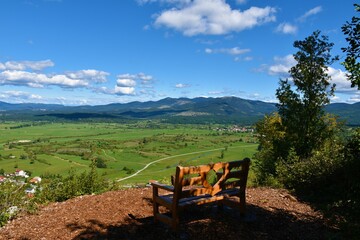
x: 56, y: 148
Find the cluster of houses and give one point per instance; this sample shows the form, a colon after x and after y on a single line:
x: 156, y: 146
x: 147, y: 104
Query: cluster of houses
x: 235, y: 128
x: 21, y: 177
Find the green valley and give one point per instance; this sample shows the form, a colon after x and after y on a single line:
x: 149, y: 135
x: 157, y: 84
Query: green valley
x: 119, y: 150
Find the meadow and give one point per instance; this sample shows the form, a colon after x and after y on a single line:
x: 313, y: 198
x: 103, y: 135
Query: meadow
x: 119, y: 150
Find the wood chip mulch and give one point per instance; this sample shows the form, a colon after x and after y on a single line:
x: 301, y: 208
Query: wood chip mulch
x: 127, y: 214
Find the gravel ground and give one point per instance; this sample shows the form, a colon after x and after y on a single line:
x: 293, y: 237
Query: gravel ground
x: 127, y: 214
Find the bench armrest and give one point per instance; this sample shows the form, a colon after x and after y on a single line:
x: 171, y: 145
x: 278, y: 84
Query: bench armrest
x: 162, y: 186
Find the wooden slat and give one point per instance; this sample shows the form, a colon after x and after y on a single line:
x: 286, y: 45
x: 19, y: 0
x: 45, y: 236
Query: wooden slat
x: 232, y: 184
x: 163, y: 186
x: 200, y: 191
x: 200, y: 201
x: 164, y: 201
x: 192, y: 181
x: 235, y: 174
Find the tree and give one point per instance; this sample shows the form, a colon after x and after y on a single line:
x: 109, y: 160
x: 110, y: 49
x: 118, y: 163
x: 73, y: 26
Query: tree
x: 272, y: 146
x: 351, y: 63
x: 303, y: 97
x: 301, y: 130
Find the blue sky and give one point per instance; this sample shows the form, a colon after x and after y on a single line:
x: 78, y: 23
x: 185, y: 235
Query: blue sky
x: 93, y: 52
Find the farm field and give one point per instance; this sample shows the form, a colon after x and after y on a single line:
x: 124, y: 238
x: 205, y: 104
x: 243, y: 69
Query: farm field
x: 127, y: 153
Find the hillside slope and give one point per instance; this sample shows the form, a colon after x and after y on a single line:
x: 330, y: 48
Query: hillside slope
x: 127, y: 214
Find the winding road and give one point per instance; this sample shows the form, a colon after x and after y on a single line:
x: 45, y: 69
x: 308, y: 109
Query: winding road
x: 162, y: 159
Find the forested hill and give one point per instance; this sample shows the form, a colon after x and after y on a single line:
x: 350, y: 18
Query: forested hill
x: 176, y: 110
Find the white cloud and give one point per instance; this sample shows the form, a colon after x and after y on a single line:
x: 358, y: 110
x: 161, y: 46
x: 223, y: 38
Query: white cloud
x: 144, y: 77
x: 309, y: 13
x: 339, y: 78
x: 231, y: 51
x: 213, y: 17
x: 38, y: 80
x: 124, y: 90
x: 19, y: 96
x: 139, y: 76
x: 355, y: 98
x: 286, y: 28
x: 126, y: 82
x: 23, y: 65
x: 216, y: 92
x: 182, y: 85
x: 89, y: 75
x: 28, y: 73
x: 282, y: 65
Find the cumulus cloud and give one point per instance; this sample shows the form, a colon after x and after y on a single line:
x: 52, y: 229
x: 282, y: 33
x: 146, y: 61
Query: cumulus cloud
x: 286, y: 28
x: 309, y: 13
x: 339, y: 78
x: 126, y: 83
x: 213, y: 17
x: 282, y: 65
x: 23, y: 65
x: 124, y: 90
x: 140, y: 76
x: 28, y: 73
x: 231, y: 51
x: 39, y: 80
x: 89, y: 75
x: 19, y: 96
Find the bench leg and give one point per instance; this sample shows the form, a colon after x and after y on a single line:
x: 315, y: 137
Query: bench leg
x: 155, y: 204
x: 242, y: 203
x: 175, y: 220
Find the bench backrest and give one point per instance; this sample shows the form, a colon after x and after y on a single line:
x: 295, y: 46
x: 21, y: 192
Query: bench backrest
x: 194, y: 180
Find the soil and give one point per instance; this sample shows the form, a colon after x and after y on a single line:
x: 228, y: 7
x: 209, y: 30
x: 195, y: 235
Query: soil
x: 127, y: 214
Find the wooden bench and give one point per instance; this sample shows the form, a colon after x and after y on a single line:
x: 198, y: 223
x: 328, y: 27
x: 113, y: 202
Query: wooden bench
x: 191, y: 187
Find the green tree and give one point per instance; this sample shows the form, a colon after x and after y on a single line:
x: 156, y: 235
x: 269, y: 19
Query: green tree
x: 301, y: 131
x: 351, y: 63
x: 302, y: 99
x: 272, y: 146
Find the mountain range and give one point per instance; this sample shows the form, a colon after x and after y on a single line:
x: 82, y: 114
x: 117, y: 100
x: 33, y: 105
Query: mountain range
x: 175, y: 110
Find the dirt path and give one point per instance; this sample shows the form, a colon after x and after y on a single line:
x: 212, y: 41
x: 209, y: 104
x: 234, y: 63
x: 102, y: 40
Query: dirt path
x: 75, y: 163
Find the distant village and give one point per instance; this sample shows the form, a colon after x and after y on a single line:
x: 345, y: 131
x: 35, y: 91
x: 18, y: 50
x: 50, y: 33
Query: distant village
x: 21, y: 177
x: 235, y: 128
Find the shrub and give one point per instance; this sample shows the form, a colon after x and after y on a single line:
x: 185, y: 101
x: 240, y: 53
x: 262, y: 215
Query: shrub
x: 100, y: 163
x: 312, y: 173
x: 59, y: 188
x: 13, y: 200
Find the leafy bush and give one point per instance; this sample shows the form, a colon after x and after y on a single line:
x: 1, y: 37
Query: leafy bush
x: 60, y: 188
x: 100, y: 163
x: 272, y: 147
x: 312, y: 173
x: 13, y: 201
